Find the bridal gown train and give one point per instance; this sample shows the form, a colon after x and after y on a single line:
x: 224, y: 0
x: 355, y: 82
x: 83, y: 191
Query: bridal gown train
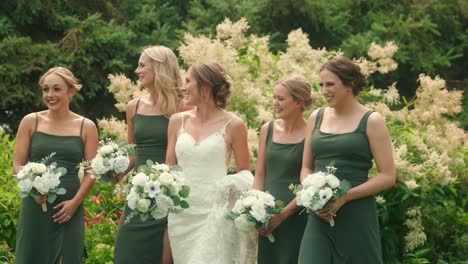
x: 201, y: 234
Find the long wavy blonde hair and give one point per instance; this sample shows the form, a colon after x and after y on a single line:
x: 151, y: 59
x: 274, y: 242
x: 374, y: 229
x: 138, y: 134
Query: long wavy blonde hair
x: 167, y: 80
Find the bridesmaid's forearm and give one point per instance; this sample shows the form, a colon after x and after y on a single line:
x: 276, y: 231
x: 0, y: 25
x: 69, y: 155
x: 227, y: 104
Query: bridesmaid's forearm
x: 85, y: 188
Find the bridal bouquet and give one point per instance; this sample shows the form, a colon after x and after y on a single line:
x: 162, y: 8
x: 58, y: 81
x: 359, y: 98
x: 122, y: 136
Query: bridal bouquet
x: 254, y: 209
x: 157, y: 189
x: 111, y: 159
x: 319, y: 188
x: 41, y: 178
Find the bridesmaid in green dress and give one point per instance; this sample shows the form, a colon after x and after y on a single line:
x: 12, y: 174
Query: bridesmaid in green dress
x: 279, y: 163
x: 350, y: 135
x: 55, y: 236
x: 147, y: 119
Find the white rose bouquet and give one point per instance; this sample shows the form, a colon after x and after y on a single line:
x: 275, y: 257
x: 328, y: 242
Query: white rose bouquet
x: 157, y: 189
x: 253, y: 210
x: 111, y: 159
x: 41, y: 178
x: 318, y: 189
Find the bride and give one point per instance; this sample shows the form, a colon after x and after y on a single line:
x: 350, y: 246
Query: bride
x: 201, y: 142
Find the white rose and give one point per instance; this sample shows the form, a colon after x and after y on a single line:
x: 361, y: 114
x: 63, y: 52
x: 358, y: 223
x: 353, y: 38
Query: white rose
x: 52, y: 180
x: 132, y: 199
x: 40, y: 185
x: 258, y: 212
x: 242, y: 223
x: 106, y: 149
x: 248, y: 201
x: 306, y: 197
x: 238, y: 207
x: 25, y: 185
x: 161, y: 167
x: 159, y: 213
x: 317, y: 180
x: 332, y: 181
x: 97, y: 164
x: 164, y: 202
x: 121, y: 164
x: 140, y: 179
x: 152, y: 188
x: 143, y: 205
x: 39, y: 168
x: 166, y: 178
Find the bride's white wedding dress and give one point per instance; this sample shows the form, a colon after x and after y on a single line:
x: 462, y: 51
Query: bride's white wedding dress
x: 201, y: 234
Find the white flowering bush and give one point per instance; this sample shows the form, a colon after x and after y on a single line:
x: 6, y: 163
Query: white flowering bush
x: 41, y: 178
x: 157, y: 190
x: 318, y: 188
x: 111, y: 159
x: 254, y: 209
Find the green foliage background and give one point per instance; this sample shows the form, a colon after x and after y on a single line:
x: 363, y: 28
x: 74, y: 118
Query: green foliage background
x: 98, y: 37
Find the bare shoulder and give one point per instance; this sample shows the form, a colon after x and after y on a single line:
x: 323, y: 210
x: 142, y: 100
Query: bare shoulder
x: 375, y: 120
x: 236, y: 122
x: 131, y: 105
x: 89, y: 124
x: 28, y: 122
x: 313, y: 115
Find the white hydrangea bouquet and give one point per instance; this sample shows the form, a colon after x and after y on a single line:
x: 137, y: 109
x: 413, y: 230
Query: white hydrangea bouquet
x: 41, y: 178
x: 157, y: 189
x: 111, y: 159
x: 254, y: 209
x: 318, y: 188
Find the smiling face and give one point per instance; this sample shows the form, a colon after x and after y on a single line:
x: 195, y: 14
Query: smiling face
x: 284, y: 103
x: 191, y: 90
x: 333, y: 89
x: 55, y: 92
x: 145, y: 71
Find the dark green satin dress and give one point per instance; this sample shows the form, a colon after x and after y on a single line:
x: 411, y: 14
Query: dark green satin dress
x: 142, y: 242
x: 355, y: 238
x: 283, y: 163
x: 39, y: 238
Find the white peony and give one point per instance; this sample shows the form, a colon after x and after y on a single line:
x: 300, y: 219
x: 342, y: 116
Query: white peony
x: 106, y: 149
x: 121, y: 164
x: 242, y: 223
x: 333, y: 181
x: 132, y: 199
x: 97, y: 164
x: 143, y: 205
x: 39, y: 168
x: 140, y: 179
x: 40, y: 185
x: 161, y: 167
x: 166, y: 178
x: 25, y: 185
x: 317, y: 180
x: 152, y: 188
x: 159, y: 213
x: 305, y: 197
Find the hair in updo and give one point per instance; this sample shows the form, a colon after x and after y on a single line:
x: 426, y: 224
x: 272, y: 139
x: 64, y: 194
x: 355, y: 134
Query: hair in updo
x: 213, y: 75
x: 349, y: 72
x: 299, y: 88
x: 65, y: 74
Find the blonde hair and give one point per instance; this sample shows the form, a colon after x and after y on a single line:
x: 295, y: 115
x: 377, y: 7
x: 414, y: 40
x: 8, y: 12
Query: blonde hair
x: 299, y: 88
x: 167, y: 80
x: 213, y: 75
x: 65, y: 74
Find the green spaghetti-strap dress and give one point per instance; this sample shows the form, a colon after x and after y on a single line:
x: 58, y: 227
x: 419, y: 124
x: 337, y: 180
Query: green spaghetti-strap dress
x: 355, y: 238
x: 142, y: 242
x: 283, y: 163
x: 39, y: 239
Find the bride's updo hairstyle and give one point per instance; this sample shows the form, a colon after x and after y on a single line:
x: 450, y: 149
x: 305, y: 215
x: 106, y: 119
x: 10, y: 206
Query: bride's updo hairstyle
x: 348, y: 72
x: 214, y: 75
